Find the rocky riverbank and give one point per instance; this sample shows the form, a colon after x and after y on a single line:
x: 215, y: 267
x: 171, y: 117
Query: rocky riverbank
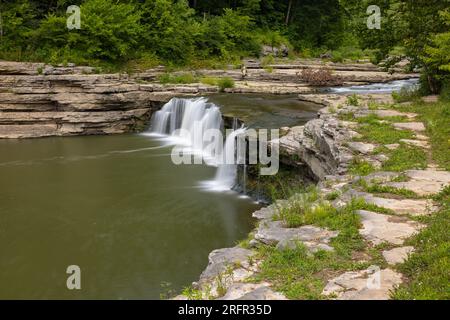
x: 39, y: 100
x: 384, y: 208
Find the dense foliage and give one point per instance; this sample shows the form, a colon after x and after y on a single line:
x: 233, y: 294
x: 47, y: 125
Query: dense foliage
x: 185, y: 32
x: 177, y: 31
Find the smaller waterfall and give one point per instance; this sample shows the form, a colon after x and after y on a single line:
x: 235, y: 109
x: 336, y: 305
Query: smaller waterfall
x: 179, y: 118
x: 227, y: 171
x: 388, y: 87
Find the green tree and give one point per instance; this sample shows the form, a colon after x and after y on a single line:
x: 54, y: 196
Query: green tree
x: 109, y: 31
x: 437, y: 53
x: 169, y: 29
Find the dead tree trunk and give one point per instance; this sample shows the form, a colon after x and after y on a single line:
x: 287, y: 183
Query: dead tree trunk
x: 288, y: 14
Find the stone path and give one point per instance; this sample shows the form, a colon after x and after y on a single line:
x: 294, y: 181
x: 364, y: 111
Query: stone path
x: 392, y: 229
x: 394, y: 222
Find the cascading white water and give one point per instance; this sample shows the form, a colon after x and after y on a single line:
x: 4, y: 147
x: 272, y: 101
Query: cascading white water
x: 227, y: 171
x: 187, y: 115
x: 179, y: 118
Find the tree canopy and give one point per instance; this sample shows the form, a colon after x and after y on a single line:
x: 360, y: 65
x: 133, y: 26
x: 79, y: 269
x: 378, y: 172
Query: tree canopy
x: 183, y: 32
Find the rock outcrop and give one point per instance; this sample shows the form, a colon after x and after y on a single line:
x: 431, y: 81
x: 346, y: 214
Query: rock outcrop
x: 38, y: 100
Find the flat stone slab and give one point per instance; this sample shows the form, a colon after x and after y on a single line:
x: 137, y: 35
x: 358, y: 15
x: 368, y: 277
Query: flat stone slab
x: 273, y: 232
x: 421, y: 188
x: 413, y: 126
x: 220, y: 260
x: 424, y: 182
x: 382, y: 176
x: 397, y: 255
x: 429, y: 175
x: 370, y: 284
x: 422, y: 137
x: 404, y: 206
x: 416, y: 143
x: 394, y: 113
x: 379, y: 228
x: 252, y: 291
x: 265, y: 213
x: 361, y: 147
x: 392, y: 146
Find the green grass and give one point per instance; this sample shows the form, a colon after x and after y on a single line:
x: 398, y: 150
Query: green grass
x: 286, y: 183
x: 222, y: 83
x: 300, y: 274
x: 428, y: 268
x: 373, y: 130
x: 361, y: 204
x: 360, y: 167
x: 374, y: 119
x: 184, y: 78
x: 299, y: 211
x: 377, y: 188
x: 211, y: 81
x: 406, y: 95
x: 405, y: 158
x: 333, y: 195
x: 436, y: 117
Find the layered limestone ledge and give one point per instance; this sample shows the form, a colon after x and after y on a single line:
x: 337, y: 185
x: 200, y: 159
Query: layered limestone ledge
x: 41, y: 101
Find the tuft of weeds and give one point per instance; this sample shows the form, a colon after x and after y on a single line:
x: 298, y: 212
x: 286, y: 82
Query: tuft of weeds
x: 376, y: 188
x: 406, y: 95
x: 361, y: 204
x: 225, y: 83
x: 353, y: 100
x: 401, y: 178
x: 333, y: 195
x: 192, y: 294
x: 361, y: 167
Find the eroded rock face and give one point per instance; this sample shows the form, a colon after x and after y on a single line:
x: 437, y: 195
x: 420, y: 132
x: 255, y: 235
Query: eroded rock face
x: 38, y: 100
x: 320, y: 145
x: 221, y: 259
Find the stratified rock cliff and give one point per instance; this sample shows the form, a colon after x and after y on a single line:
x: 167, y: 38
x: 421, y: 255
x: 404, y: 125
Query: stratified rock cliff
x: 37, y: 100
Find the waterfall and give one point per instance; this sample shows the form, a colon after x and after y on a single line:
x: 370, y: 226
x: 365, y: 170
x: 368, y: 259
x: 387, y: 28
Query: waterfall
x: 227, y: 173
x: 187, y: 115
x: 198, y: 115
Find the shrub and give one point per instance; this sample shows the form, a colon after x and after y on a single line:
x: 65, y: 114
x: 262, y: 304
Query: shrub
x: 177, y: 78
x: 110, y: 31
x: 406, y: 94
x: 320, y: 77
x: 225, y: 83
x: 209, y: 81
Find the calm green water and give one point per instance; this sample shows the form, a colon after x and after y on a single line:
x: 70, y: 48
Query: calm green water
x: 131, y: 221
x: 266, y: 111
x: 118, y: 208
